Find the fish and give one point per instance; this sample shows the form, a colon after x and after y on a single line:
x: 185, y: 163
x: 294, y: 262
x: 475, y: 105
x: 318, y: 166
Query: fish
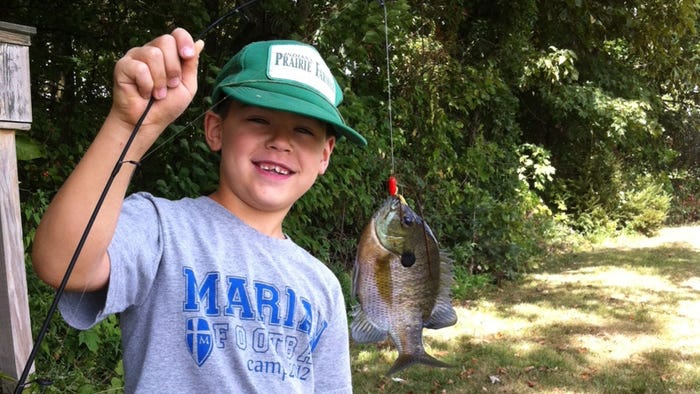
x: 401, y: 281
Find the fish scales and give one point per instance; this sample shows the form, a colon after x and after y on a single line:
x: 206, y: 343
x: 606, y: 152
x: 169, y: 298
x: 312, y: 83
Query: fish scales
x: 402, y: 283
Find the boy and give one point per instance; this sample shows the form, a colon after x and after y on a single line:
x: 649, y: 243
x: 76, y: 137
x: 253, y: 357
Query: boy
x: 212, y: 296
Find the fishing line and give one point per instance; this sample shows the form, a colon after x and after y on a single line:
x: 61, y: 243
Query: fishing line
x: 388, y: 87
x: 177, y: 132
x: 392, y: 183
x: 117, y: 166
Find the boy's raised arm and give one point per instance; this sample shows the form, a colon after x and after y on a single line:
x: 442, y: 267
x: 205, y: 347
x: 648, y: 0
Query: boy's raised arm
x: 166, y: 69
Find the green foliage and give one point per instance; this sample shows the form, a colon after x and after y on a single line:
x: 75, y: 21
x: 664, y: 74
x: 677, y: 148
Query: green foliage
x: 535, y: 168
x: 73, y: 361
x: 685, y: 206
x: 469, y: 286
x: 645, y: 208
x: 27, y: 148
x: 192, y: 178
x: 552, y: 67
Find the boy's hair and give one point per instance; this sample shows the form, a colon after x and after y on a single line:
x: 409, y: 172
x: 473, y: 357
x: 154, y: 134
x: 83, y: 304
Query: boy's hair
x: 221, y: 108
x: 284, y: 75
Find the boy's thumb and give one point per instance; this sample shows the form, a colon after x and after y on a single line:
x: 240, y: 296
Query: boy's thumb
x: 198, y: 47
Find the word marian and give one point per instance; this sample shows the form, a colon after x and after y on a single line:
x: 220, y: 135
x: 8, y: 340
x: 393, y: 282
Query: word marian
x: 238, y: 302
x: 276, y: 310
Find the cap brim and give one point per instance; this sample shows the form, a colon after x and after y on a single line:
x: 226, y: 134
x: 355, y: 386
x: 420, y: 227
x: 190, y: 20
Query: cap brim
x: 322, y: 110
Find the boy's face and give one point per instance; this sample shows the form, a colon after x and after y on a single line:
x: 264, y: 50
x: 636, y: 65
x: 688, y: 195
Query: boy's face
x: 269, y: 158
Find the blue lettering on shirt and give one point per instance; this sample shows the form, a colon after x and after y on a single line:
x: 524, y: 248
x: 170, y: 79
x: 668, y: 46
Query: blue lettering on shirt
x: 267, y: 298
x: 291, y: 303
x: 238, y: 299
x: 206, y: 292
x: 241, y: 300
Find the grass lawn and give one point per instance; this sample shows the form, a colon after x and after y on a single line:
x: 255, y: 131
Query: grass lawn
x: 622, y: 317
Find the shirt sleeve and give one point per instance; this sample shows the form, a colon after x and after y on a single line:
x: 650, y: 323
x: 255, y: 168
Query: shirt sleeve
x: 134, y: 255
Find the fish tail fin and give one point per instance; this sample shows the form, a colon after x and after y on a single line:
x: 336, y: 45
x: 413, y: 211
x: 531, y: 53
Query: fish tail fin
x: 406, y: 360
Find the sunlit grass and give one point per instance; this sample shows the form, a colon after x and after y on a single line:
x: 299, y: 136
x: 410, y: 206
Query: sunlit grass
x: 615, y: 319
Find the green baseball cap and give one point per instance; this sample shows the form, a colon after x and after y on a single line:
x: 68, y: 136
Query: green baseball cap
x: 288, y: 76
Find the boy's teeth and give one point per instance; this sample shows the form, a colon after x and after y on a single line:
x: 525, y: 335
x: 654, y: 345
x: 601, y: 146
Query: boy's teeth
x: 276, y: 169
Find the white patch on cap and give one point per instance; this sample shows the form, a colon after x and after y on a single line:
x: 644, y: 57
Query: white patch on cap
x: 304, y: 65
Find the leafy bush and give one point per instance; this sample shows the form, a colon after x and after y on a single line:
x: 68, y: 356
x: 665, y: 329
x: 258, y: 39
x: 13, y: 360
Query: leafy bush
x: 467, y: 285
x: 644, y: 208
x: 685, y: 204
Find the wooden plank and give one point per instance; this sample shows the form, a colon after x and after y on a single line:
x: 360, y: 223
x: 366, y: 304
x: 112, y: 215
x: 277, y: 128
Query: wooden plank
x: 15, y: 327
x: 15, y: 114
x: 16, y: 34
x: 14, y: 126
x: 15, y: 92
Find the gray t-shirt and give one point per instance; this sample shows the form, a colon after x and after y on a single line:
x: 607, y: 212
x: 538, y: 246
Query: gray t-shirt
x: 208, y: 304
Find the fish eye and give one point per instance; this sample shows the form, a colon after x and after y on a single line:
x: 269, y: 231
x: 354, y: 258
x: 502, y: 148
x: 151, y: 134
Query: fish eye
x: 407, y: 220
x: 408, y: 259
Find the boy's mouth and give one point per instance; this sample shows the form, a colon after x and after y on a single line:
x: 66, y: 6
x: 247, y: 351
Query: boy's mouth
x: 274, y: 168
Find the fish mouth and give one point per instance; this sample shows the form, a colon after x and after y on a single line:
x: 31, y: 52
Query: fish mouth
x: 391, y: 206
x: 395, y: 203
x: 398, y: 206
x: 274, y: 168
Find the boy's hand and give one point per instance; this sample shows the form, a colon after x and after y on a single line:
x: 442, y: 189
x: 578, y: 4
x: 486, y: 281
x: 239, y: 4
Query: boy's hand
x: 165, y: 69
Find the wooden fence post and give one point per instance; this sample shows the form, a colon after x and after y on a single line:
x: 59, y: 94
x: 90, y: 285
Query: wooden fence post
x: 15, y: 114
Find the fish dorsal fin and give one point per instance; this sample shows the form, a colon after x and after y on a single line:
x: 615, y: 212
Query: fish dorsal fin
x: 363, y: 330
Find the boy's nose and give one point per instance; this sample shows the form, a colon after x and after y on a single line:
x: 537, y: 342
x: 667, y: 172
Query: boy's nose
x: 280, y: 139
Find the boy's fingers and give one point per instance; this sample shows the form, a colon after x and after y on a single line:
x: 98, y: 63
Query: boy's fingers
x: 164, y: 62
x: 143, y: 77
x: 199, y: 46
x: 189, y: 54
x: 133, y: 70
x: 189, y: 68
x: 185, y: 43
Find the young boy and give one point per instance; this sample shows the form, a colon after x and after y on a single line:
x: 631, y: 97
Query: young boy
x: 212, y: 296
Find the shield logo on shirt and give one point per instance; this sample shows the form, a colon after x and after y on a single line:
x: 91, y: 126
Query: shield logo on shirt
x: 199, y: 339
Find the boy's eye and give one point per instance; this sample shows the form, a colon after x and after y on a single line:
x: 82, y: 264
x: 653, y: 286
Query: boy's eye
x: 257, y: 120
x: 305, y: 130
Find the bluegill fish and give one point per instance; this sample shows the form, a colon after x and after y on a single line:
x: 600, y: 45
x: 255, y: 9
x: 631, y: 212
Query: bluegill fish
x: 402, y: 283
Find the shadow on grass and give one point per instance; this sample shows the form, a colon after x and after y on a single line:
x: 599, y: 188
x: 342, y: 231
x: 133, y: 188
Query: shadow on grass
x: 604, y: 321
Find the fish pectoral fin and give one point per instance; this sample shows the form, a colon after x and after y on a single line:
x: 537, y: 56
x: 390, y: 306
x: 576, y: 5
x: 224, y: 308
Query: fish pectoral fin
x: 443, y: 315
x: 363, y: 330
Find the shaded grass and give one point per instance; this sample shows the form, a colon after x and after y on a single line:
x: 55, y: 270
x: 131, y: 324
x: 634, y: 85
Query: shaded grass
x: 611, y: 320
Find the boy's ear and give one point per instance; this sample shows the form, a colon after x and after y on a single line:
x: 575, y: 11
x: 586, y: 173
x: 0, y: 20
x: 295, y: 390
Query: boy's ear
x: 213, y: 128
x: 326, y: 157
